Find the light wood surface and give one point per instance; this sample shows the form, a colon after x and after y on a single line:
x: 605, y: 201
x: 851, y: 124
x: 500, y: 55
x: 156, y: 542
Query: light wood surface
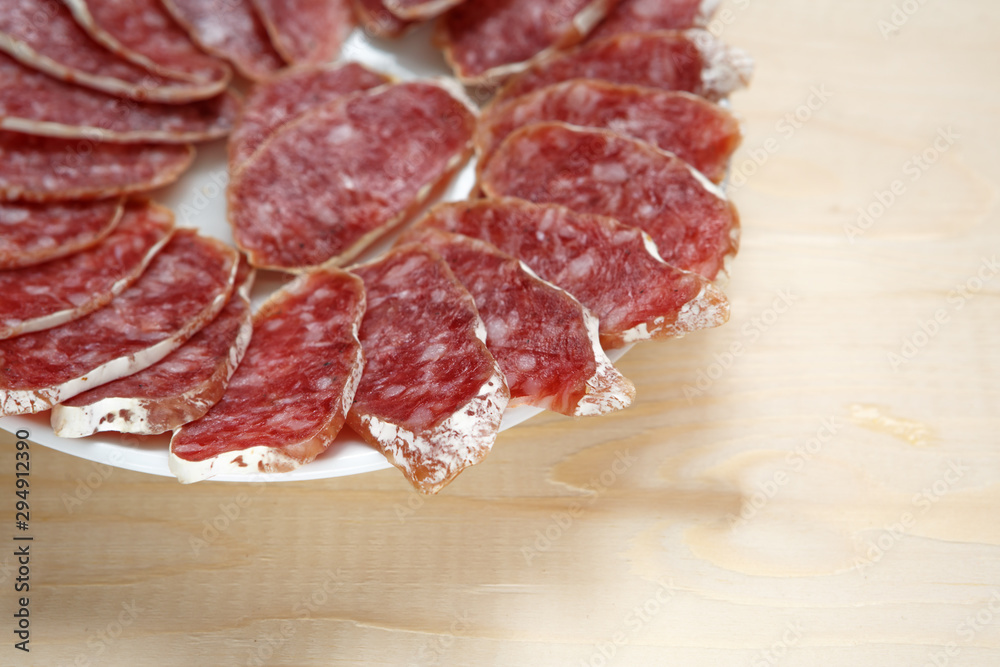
x: 808, y: 500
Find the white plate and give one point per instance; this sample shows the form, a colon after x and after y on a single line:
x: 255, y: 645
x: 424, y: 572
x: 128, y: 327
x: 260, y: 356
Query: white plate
x: 198, y: 199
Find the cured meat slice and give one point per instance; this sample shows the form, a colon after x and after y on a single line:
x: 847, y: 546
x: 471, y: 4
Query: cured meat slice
x: 184, y: 288
x: 420, y: 10
x: 692, y: 223
x: 650, y: 15
x: 432, y: 395
x: 34, y: 233
x: 289, y: 396
x: 43, y: 34
x: 546, y: 342
x: 378, y: 21
x: 45, y: 296
x: 613, y: 269
x: 35, y: 103
x: 488, y: 40
x: 306, y: 31
x: 142, y: 32
x: 45, y: 169
x: 703, y: 134
x: 340, y: 176
x: 689, y: 60
x: 173, y: 392
x: 229, y: 29
x: 284, y: 97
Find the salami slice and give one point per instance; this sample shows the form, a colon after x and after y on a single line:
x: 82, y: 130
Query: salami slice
x: 287, y: 95
x: 650, y: 15
x: 613, y: 269
x: 142, y: 32
x: 432, y: 395
x: 34, y: 233
x: 183, y: 289
x: 546, y: 343
x: 377, y: 21
x: 35, y: 103
x: 692, y: 223
x: 703, y: 134
x: 229, y: 29
x: 43, y: 34
x: 289, y: 396
x: 487, y: 40
x: 51, y: 294
x: 173, y: 392
x: 339, y: 177
x: 420, y: 10
x: 689, y: 60
x: 45, y: 169
x: 306, y: 31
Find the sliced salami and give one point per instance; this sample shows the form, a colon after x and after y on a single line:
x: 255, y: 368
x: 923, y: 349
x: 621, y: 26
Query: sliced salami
x: 378, y: 21
x: 432, y: 395
x: 177, y: 390
x: 43, y: 34
x: 289, y: 396
x: 689, y: 60
x: 48, y: 295
x: 420, y: 10
x: 34, y: 233
x: 692, y: 223
x: 184, y: 288
x: 306, y: 31
x: 487, y: 40
x: 330, y: 183
x: 35, y: 103
x: 142, y: 32
x: 650, y: 15
x: 546, y: 342
x: 613, y: 269
x: 229, y: 29
x: 701, y: 133
x: 45, y: 168
x: 285, y: 96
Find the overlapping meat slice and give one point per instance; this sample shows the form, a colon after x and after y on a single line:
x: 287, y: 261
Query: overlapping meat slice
x: 703, y: 134
x: 43, y: 34
x: 142, y: 32
x: 306, y: 31
x: 432, y: 395
x: 546, y: 342
x: 650, y: 15
x: 689, y: 60
x: 285, y: 96
x: 378, y: 21
x: 692, y: 223
x: 35, y: 103
x: 613, y: 269
x: 184, y: 288
x: 289, y: 396
x: 487, y: 40
x: 31, y: 234
x: 229, y: 29
x: 177, y: 390
x: 48, y: 295
x: 45, y: 168
x: 420, y: 10
x: 330, y: 183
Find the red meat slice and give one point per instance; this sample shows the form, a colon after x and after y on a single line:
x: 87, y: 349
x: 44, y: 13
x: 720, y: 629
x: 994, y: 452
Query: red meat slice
x: 45, y: 169
x: 692, y: 223
x: 378, y: 21
x: 306, y: 31
x: 703, y: 134
x: 183, y: 289
x: 546, y: 342
x: 51, y: 294
x: 339, y: 177
x: 420, y: 10
x: 650, y: 15
x: 432, y: 395
x: 34, y: 233
x: 289, y: 396
x: 613, y: 269
x: 175, y: 391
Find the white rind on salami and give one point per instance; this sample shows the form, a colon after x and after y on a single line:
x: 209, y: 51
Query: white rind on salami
x: 727, y: 68
x: 31, y: 234
x: 306, y: 32
x: 377, y: 21
x: 423, y: 10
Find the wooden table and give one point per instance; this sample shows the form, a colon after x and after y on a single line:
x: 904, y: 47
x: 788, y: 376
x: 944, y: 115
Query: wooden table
x: 815, y: 483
